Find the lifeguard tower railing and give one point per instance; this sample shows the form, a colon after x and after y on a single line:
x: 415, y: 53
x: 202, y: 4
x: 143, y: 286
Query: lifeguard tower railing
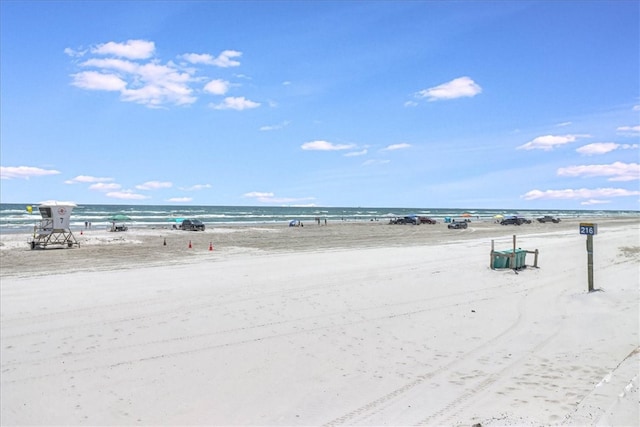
x: 53, y: 229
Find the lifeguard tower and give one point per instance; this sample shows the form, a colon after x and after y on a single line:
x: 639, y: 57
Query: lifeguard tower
x: 53, y: 228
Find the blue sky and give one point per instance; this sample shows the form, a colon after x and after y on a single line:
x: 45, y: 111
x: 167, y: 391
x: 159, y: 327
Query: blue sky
x: 515, y: 105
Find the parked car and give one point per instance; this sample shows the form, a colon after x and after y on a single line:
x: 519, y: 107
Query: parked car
x: 404, y: 220
x: 426, y: 220
x: 515, y: 220
x: 548, y: 218
x: 455, y: 225
x: 192, y: 225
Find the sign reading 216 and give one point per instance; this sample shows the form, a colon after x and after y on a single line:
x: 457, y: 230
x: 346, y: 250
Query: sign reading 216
x: 588, y: 228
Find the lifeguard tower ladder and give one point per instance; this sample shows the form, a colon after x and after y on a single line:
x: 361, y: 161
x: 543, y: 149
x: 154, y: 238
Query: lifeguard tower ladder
x: 53, y: 229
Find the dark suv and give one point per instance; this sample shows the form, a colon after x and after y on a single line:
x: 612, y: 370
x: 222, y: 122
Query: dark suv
x: 515, y: 220
x: 192, y: 225
x: 548, y: 218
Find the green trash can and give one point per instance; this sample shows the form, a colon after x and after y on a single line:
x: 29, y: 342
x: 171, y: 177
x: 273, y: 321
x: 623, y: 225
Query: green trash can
x: 501, y: 261
x: 519, y: 261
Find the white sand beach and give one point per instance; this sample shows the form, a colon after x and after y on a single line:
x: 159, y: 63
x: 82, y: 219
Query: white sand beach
x: 345, y: 324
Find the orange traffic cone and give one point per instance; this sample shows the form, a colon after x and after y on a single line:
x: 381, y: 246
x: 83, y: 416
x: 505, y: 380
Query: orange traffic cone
x: 210, y: 246
x: 189, y: 244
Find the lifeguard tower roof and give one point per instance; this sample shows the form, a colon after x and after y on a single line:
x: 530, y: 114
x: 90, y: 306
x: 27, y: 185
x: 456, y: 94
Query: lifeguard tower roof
x: 48, y: 203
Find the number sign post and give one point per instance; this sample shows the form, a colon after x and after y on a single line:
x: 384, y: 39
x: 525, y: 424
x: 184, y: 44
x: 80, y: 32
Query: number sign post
x: 590, y: 230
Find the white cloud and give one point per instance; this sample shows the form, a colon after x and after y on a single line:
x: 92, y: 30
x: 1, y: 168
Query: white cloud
x: 236, y: 103
x: 356, y: 153
x: 617, y: 171
x: 604, y: 147
x: 154, y: 185
x: 93, y: 80
x: 456, y: 88
x: 132, y: 49
x: 563, y: 124
x: 592, y: 202
x: 180, y: 199
x: 264, y: 197
x: 257, y: 194
x: 130, y: 69
x: 217, y: 87
x: 116, y: 64
x: 74, y: 53
x: 583, y: 193
x: 275, y: 127
x: 325, y: 146
x: 549, y: 142
x: 24, y: 172
x: 394, y: 147
x: 197, y: 187
x: 410, y: 104
x: 632, y: 130
x: 102, y: 186
x: 126, y: 195
x: 224, y: 60
x: 636, y: 108
x: 86, y: 179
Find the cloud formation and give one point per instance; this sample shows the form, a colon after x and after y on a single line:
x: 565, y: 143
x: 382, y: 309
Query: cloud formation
x: 126, y: 195
x: 180, y: 199
x: 394, y: 147
x: 583, y: 193
x: 462, y: 87
x: 604, y: 147
x: 268, y: 197
x: 549, y: 142
x: 154, y: 185
x: 131, y: 49
x: 87, y: 179
x: 320, y: 145
x: 132, y: 70
x: 616, y: 171
x: 631, y: 130
x: 103, y: 186
x: 197, y: 187
x: 235, y: 103
x: 224, y: 60
x: 24, y: 172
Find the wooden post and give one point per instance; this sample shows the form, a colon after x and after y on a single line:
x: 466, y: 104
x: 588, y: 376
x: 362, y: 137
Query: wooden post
x: 491, y: 257
x: 512, y: 262
x: 590, y: 261
x: 535, y: 259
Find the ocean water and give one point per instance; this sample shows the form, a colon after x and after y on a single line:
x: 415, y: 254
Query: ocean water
x: 16, y: 218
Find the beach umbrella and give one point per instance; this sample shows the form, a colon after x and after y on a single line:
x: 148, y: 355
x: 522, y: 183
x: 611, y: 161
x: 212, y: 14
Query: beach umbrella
x: 119, y: 217
x: 498, y: 216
